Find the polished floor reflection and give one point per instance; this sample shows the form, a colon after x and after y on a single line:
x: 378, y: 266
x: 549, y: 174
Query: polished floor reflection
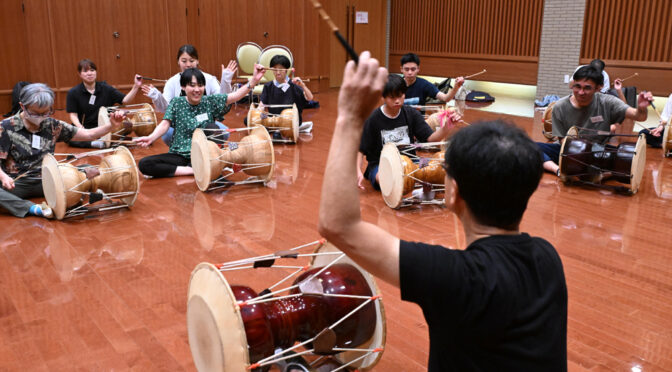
x: 108, y: 291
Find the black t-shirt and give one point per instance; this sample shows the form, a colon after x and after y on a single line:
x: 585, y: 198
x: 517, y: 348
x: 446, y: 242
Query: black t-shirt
x: 272, y: 95
x: 499, y: 305
x: 408, y: 127
x: 79, y: 101
x: 422, y: 89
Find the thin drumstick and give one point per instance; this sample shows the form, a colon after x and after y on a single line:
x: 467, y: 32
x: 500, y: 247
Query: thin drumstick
x: 119, y: 141
x: 629, y: 77
x: 476, y: 74
x: 279, y: 69
x: 643, y: 127
x: 334, y: 28
x: 152, y: 79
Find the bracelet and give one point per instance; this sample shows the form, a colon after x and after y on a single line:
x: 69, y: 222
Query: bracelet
x: 249, y: 86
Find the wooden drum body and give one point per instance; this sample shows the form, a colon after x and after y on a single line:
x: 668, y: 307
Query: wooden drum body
x: 331, y: 305
x: 286, y: 123
x: 253, y: 155
x: 592, y: 163
x: 140, y: 119
x: 65, y: 185
x: 398, y: 175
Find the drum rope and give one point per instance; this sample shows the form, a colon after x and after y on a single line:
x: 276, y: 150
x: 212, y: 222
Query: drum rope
x: 265, y: 257
x: 602, y: 170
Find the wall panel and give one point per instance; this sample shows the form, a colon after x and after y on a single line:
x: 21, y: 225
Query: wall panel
x: 631, y: 36
x: 453, y: 32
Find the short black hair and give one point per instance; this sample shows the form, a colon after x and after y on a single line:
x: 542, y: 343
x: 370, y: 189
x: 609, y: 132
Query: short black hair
x: 86, y: 65
x: 410, y: 57
x: 497, y: 168
x: 395, y: 86
x: 281, y: 60
x: 189, y: 49
x: 188, y: 74
x: 598, y: 64
x: 589, y: 72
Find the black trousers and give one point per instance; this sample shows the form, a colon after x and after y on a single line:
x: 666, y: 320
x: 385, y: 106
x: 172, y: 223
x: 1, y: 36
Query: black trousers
x: 162, y: 165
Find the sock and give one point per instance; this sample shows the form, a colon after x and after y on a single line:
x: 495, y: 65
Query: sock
x: 40, y: 210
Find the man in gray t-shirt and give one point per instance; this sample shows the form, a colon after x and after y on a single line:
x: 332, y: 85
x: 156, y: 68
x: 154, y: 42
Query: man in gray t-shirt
x: 587, y: 109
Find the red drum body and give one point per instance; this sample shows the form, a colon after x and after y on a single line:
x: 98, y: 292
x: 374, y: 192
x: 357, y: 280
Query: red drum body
x: 281, y: 323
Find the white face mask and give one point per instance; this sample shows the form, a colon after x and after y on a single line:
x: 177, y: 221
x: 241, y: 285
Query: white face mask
x: 35, y: 121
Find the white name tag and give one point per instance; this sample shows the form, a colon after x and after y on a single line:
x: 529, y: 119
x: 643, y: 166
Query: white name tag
x: 202, y: 117
x: 597, y: 119
x: 37, y: 142
x: 92, y: 100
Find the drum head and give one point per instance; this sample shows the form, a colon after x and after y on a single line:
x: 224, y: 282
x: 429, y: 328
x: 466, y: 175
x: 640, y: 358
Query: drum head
x: 52, y: 183
x: 547, y: 123
x: 638, y: 162
x: 573, y: 131
x: 135, y: 181
x: 380, y: 333
x: 249, y: 113
x: 200, y: 159
x: 216, y: 331
x: 563, y: 176
x: 261, y: 132
x: 391, y: 175
x: 295, y: 124
x: 104, y: 119
x: 666, y: 141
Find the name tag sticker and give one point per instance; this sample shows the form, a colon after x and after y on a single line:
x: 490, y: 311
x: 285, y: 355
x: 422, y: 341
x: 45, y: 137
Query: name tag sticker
x: 597, y: 119
x: 37, y: 142
x: 202, y: 117
x: 92, y: 100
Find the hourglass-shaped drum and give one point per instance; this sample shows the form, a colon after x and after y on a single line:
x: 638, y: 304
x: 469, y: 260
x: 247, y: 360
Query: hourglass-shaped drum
x: 65, y: 186
x: 593, y: 162
x: 286, y: 123
x: 399, y: 175
x: 140, y: 119
x: 252, y: 155
x: 332, y: 308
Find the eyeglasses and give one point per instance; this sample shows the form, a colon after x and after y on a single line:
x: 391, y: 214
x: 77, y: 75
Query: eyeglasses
x: 585, y: 88
x: 38, y: 116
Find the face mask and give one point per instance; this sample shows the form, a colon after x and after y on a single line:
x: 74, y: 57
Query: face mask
x: 35, y: 121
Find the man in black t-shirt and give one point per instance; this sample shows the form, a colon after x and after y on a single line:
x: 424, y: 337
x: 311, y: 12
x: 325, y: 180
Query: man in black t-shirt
x: 396, y: 123
x: 421, y: 88
x: 498, y: 305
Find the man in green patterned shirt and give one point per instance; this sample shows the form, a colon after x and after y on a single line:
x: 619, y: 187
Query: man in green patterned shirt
x: 185, y: 114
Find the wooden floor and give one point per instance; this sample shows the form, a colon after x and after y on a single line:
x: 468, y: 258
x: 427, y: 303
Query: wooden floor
x: 109, y: 291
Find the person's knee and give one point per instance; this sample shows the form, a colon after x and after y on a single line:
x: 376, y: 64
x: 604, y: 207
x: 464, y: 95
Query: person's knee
x: 145, y: 166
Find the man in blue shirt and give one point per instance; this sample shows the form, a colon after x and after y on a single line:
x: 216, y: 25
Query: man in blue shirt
x: 421, y: 88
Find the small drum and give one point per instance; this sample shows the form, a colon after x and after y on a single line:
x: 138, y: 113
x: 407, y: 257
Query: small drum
x: 332, y: 308
x: 667, y: 141
x: 398, y: 174
x: 215, y: 166
x: 140, y: 119
x: 65, y: 185
x: 547, y: 123
x: 593, y: 163
x: 286, y: 123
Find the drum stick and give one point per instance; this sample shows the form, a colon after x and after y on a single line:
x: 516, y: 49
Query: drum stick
x: 152, y: 79
x: 119, y: 141
x: 279, y: 69
x: 476, y: 74
x: 333, y: 27
x: 643, y: 127
x: 631, y: 76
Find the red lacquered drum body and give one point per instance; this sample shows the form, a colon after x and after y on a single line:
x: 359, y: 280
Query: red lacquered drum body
x: 586, y: 159
x: 281, y: 323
